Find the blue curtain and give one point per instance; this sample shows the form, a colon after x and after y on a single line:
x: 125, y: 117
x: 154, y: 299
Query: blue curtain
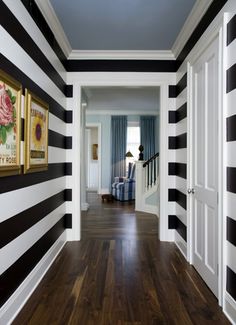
x: 118, y: 146
x: 148, y: 135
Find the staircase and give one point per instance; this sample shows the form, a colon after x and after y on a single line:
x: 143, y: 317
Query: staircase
x: 147, y: 185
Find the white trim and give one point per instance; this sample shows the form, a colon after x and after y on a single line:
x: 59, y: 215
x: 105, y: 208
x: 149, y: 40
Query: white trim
x: 118, y: 111
x: 104, y: 191
x: 181, y: 244
x: 189, y: 159
x: 208, y: 37
x: 221, y: 164
x: 225, y: 202
x: 105, y: 79
x: 84, y: 206
x: 230, y: 308
x: 148, y: 208
x: 190, y: 24
x: 16, y: 302
x: 51, y: 18
x: 99, y: 126
x: 123, y: 55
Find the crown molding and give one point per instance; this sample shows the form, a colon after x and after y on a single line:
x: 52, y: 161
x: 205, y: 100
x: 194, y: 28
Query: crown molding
x: 51, y: 18
x: 196, y: 14
x: 120, y: 55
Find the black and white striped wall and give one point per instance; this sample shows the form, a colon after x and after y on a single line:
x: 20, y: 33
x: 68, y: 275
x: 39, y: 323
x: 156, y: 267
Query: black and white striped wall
x: 177, y: 164
x: 230, y: 299
x: 34, y: 210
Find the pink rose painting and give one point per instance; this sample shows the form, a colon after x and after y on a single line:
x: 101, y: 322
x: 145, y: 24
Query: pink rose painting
x: 7, y: 113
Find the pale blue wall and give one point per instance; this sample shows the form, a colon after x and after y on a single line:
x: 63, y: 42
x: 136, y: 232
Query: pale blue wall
x: 105, y: 121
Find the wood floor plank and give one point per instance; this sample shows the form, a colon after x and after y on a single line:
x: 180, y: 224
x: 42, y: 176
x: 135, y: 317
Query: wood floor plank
x: 120, y: 274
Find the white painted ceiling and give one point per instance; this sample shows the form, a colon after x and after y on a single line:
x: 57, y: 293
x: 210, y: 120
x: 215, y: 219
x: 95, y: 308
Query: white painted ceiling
x: 138, y: 100
x: 122, y: 24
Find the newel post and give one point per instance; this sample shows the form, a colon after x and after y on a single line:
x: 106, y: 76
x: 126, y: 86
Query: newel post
x: 139, y: 185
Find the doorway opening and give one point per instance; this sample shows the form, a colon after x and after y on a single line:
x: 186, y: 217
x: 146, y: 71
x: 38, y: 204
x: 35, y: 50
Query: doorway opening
x: 101, y: 106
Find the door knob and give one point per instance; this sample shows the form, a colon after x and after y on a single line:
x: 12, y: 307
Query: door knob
x: 191, y: 190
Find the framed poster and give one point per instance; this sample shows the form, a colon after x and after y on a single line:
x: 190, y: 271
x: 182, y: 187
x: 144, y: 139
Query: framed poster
x: 10, y: 125
x: 36, y: 133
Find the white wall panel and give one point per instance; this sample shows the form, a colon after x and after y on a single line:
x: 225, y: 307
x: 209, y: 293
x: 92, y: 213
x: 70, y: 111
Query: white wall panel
x: 57, y: 125
x: 181, y: 155
x: 56, y: 155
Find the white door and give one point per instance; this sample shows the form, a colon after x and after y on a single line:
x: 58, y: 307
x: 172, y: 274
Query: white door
x: 204, y: 162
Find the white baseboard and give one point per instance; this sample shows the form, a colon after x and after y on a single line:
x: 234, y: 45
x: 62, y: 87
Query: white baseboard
x: 148, y: 209
x: 84, y: 206
x: 230, y: 308
x: 181, y: 244
x: 104, y: 191
x: 15, y: 303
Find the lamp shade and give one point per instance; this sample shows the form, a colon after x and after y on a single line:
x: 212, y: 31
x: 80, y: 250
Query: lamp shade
x: 128, y: 154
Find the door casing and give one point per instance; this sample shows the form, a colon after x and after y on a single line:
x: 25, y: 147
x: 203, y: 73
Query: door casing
x: 193, y: 57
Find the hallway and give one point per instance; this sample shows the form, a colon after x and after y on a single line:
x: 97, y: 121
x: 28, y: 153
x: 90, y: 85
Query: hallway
x: 119, y: 273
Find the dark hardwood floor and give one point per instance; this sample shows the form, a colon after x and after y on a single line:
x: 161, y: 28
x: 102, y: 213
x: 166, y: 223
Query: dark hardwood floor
x: 120, y: 274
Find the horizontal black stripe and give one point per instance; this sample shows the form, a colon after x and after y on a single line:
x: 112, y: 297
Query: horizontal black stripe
x: 69, y: 91
x: 16, y: 225
x: 231, y: 231
x: 58, y: 140
x: 68, y: 194
x: 172, y: 117
x: 172, y: 91
x: 11, y: 183
x: 175, y: 223
x: 231, y: 30
x: 172, y: 222
x: 69, y: 117
x: 121, y: 65
x: 177, y: 169
x: 68, y: 142
x: 15, y: 29
x: 179, y: 114
x: 231, y: 128
x: 206, y: 20
x: 231, y: 78
x: 17, y: 272
x: 40, y: 21
x: 231, y: 282
x: 181, y: 85
x: 178, y: 142
x: 68, y: 221
x: 171, y: 194
x: 177, y: 196
x: 231, y: 179
x: 54, y: 107
x: 68, y: 169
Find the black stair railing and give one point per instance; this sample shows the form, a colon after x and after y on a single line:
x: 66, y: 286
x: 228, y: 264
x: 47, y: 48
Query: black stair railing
x: 152, y: 167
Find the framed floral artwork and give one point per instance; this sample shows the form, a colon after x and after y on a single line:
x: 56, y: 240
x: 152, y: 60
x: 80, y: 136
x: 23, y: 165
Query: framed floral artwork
x: 36, y: 133
x: 10, y: 125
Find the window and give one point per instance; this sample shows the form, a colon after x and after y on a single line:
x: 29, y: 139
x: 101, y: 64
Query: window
x: 133, y: 139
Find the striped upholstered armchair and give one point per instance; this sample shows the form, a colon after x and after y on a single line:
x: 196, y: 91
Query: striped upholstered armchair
x: 123, y: 189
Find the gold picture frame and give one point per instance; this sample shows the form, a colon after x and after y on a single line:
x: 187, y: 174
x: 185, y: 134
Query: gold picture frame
x: 95, y: 151
x: 10, y: 125
x: 36, y: 133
